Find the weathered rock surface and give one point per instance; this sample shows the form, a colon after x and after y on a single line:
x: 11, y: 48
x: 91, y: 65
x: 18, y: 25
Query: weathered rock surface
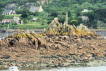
x: 53, y: 51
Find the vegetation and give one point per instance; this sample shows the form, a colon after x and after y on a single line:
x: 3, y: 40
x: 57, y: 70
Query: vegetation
x: 30, y: 25
x: 58, y: 8
x: 96, y: 10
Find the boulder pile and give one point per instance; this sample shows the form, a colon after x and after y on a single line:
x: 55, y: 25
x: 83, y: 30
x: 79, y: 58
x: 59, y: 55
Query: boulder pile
x: 50, y: 51
x: 59, y: 46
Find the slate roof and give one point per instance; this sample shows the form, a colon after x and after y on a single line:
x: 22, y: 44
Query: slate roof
x: 34, y: 9
x: 6, y: 11
x: 11, y: 6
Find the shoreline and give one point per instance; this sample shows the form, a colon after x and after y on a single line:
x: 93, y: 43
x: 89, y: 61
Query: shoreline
x: 53, y: 57
x: 52, y: 52
x: 97, y: 68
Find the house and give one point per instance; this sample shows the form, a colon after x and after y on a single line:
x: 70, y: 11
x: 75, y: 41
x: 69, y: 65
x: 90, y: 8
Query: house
x: 41, y: 2
x: 40, y: 9
x: 28, y: 5
x: 17, y: 20
x: 34, y: 9
x: 12, y: 6
x: 8, y: 12
x: 85, y: 10
x: 4, y: 21
x: 34, y: 19
x: 85, y: 18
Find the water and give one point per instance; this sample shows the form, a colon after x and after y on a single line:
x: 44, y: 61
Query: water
x: 100, y: 68
x: 2, y: 35
x: 102, y: 33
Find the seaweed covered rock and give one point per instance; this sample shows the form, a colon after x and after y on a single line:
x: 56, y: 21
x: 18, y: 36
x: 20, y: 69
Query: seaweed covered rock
x: 54, y: 51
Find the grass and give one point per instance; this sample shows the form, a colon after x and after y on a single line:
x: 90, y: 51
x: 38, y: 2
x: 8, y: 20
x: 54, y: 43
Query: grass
x: 17, y: 15
x: 105, y: 27
x: 11, y: 16
x: 29, y: 25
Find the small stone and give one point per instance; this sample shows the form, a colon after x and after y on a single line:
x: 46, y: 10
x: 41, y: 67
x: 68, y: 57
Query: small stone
x: 5, y: 57
x: 80, y: 47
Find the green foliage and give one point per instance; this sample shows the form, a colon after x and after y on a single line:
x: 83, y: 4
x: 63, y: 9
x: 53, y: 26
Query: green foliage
x: 74, y: 22
x: 1, y: 16
x: 58, y: 8
x: 28, y: 25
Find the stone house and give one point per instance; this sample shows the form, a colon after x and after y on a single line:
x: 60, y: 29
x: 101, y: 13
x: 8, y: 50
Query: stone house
x: 16, y: 20
x: 12, y: 6
x: 34, y: 19
x: 4, y: 21
x: 34, y: 9
x: 85, y: 18
x: 41, y: 2
x: 85, y: 10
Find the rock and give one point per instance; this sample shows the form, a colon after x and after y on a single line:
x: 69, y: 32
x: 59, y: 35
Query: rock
x: 80, y: 47
x: 23, y: 40
x: 66, y: 64
x: 5, y: 57
x: 55, y: 51
x: 66, y: 37
x: 11, y: 42
x: 42, y: 42
x: 35, y: 42
x: 0, y: 42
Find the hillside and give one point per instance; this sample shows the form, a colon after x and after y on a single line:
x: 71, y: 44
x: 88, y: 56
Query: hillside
x: 94, y: 18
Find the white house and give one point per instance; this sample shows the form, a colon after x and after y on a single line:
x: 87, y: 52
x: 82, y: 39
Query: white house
x: 11, y: 6
x: 85, y: 10
x: 42, y: 1
x: 17, y: 20
x: 14, y: 20
x: 40, y: 9
x: 85, y: 18
x: 7, y: 21
x: 34, y: 9
x: 34, y: 19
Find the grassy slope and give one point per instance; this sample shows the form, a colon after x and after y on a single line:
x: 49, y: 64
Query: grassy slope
x: 30, y: 25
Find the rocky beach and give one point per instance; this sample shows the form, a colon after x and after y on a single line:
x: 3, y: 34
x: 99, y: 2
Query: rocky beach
x: 52, y: 52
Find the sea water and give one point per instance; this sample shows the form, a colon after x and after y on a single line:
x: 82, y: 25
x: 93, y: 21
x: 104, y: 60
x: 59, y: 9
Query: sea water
x: 100, y: 68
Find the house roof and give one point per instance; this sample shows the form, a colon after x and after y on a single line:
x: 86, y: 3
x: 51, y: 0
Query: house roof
x: 85, y: 10
x: 34, y: 9
x: 35, y: 18
x: 28, y: 5
x: 7, y: 20
x: 12, y: 6
x: 7, y: 11
x: 86, y: 18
